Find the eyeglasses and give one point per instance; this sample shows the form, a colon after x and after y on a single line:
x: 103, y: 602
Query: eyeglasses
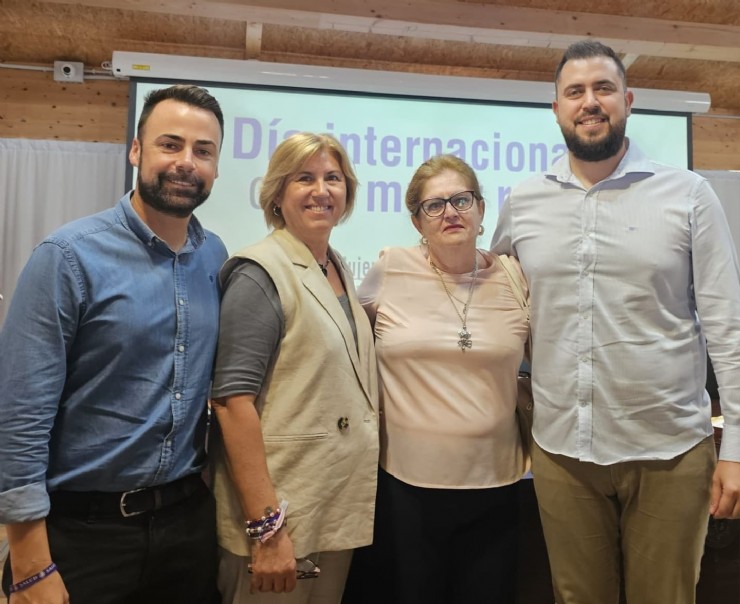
x: 304, y: 569
x: 461, y: 201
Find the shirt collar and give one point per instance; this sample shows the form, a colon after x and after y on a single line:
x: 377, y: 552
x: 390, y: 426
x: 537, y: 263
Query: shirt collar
x: 130, y: 219
x: 633, y: 162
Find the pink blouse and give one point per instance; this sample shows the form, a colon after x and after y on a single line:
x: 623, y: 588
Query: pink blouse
x: 448, y: 417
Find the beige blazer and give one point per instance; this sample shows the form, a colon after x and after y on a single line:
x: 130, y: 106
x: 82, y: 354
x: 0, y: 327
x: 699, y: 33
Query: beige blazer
x: 318, y: 409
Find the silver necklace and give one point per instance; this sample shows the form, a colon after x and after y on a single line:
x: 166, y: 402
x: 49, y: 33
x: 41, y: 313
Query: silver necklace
x: 465, y: 340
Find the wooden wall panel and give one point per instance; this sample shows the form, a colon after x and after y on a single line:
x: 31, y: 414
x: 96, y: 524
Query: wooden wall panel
x: 716, y: 143
x: 33, y: 105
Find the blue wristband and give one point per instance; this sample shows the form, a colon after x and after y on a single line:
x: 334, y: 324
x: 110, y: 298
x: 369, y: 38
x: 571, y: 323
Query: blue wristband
x: 33, y: 579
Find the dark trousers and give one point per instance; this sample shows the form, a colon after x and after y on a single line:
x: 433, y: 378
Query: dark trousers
x: 438, y: 546
x: 168, y: 555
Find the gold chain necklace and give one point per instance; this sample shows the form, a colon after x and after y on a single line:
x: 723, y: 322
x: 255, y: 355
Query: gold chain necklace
x: 465, y: 340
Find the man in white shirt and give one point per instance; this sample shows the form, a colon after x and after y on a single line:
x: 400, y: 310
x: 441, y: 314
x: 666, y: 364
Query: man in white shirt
x: 632, y: 274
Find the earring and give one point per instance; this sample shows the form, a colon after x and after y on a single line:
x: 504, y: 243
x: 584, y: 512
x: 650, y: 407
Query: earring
x: 276, y: 210
x: 424, y: 241
x: 481, y: 230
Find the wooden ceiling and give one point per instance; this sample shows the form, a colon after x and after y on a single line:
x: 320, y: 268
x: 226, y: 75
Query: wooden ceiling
x: 667, y: 44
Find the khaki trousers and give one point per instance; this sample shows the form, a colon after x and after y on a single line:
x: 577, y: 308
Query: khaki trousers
x: 640, y: 522
x: 327, y: 588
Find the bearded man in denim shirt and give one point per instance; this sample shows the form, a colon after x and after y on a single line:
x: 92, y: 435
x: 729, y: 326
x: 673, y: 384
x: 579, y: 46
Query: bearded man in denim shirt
x: 105, y: 363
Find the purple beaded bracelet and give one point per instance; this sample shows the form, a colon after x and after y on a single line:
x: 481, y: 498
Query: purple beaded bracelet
x: 33, y: 579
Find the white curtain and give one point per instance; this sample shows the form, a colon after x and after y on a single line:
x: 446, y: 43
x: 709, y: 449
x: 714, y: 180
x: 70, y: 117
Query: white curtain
x: 44, y: 184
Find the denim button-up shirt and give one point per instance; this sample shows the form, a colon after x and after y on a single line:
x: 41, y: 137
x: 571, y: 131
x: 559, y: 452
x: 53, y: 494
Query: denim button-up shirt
x: 105, y: 361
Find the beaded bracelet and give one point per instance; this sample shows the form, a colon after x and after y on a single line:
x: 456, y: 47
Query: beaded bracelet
x: 263, y: 528
x: 33, y: 579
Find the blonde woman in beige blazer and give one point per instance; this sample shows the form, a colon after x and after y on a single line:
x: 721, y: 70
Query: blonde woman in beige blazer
x: 295, y: 393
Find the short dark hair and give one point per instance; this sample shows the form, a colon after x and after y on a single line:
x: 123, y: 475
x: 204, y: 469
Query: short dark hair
x: 586, y: 49
x: 183, y: 93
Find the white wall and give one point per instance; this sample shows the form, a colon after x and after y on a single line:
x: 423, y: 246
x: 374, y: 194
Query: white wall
x: 727, y: 186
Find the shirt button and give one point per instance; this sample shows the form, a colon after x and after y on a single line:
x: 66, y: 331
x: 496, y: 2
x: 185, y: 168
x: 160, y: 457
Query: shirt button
x: 181, y: 348
x: 181, y: 302
x: 178, y: 396
x: 343, y: 423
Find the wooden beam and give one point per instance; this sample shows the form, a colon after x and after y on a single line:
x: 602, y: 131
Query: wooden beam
x: 628, y: 59
x: 253, y: 41
x: 465, y: 21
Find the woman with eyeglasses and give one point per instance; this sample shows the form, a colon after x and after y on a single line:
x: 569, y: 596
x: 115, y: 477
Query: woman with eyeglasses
x: 449, y: 337
x: 295, y: 392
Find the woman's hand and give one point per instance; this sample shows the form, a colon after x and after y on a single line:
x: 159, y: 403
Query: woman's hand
x: 273, y: 564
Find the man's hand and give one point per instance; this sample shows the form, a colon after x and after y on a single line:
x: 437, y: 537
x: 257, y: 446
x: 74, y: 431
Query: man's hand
x: 29, y: 554
x: 50, y: 590
x: 725, y: 501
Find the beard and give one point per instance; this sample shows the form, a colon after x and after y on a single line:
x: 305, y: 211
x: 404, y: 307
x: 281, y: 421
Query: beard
x: 587, y: 149
x: 164, y: 197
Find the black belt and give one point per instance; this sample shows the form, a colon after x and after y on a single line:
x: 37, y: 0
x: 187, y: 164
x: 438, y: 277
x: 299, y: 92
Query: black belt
x: 100, y: 504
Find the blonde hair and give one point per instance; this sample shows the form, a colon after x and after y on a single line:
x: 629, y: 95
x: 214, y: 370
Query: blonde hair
x: 434, y: 166
x: 288, y: 158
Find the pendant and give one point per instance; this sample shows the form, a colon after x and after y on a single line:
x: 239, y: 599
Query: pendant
x: 464, y: 341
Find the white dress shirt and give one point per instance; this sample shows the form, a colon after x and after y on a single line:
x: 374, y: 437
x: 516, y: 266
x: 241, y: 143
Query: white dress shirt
x: 627, y: 280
